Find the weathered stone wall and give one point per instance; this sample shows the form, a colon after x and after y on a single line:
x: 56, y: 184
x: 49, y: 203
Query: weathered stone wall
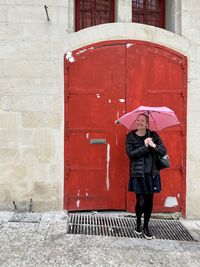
x: 191, y: 31
x: 31, y: 103
x: 32, y: 92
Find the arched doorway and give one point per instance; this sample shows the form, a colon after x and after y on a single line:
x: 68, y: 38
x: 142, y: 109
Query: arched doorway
x: 102, y: 82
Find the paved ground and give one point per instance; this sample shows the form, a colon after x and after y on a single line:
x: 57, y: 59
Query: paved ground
x: 35, y: 239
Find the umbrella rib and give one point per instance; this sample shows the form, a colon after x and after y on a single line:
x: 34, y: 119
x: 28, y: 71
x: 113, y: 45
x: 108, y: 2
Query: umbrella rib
x: 150, y: 113
x: 133, y: 122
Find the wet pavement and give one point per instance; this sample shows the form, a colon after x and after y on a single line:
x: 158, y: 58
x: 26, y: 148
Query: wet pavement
x: 41, y: 239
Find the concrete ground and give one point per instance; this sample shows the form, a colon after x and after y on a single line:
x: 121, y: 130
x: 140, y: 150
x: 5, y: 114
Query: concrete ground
x: 41, y: 239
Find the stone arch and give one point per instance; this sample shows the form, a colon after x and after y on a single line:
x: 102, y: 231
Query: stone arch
x: 121, y: 31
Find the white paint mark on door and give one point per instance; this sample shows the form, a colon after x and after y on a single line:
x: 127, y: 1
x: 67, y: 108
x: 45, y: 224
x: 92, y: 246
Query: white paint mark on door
x: 107, y: 168
x: 171, y: 202
x: 86, y: 192
x: 78, y: 203
x: 78, y: 200
x: 81, y: 51
x: 116, y: 140
x: 69, y: 57
x: 128, y: 45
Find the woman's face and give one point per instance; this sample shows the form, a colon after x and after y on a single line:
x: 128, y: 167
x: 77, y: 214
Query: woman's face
x: 141, y: 122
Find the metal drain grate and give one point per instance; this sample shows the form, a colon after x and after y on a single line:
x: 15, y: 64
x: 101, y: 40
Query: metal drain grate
x: 124, y: 227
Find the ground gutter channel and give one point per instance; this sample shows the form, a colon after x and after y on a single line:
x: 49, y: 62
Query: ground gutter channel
x: 92, y: 224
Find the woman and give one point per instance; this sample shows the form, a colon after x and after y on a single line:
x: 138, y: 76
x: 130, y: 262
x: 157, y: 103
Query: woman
x: 141, y: 148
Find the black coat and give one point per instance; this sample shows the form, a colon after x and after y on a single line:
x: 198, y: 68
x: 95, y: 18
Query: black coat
x: 137, y: 152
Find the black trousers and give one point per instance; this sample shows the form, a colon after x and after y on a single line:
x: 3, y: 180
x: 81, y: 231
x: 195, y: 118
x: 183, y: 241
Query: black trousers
x: 144, y: 204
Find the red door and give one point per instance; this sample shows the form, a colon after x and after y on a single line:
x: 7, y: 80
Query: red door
x: 94, y: 154
x: 156, y: 76
x: 102, y: 82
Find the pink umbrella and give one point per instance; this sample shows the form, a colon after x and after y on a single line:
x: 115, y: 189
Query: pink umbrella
x: 159, y: 118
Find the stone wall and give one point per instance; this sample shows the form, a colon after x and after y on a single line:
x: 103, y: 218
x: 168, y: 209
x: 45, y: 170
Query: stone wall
x: 32, y: 92
x: 191, y: 31
x: 31, y: 103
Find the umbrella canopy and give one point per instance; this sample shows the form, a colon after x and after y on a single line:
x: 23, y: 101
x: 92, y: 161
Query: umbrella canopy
x: 159, y: 118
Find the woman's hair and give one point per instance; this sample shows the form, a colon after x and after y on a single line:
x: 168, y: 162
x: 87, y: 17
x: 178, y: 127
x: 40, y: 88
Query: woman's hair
x: 146, y: 116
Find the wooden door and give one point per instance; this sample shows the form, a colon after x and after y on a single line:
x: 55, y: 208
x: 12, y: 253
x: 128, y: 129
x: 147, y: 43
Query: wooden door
x: 156, y: 76
x: 94, y: 153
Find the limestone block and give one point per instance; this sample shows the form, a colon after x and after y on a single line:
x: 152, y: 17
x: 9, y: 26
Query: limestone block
x: 193, y: 89
x: 14, y: 86
x: 17, y: 68
x: 38, y: 137
x: 125, y: 15
x: 172, y: 40
x: 37, y: 14
x: 11, y: 31
x: 195, y: 19
x: 58, y: 15
x: 193, y: 146
x: 190, y: 5
x: 46, y: 196
x: 32, y: 86
x: 7, y: 49
x: 194, y: 103
x: 9, y: 138
x: 41, y: 120
x: 48, y: 204
x: 42, y: 190
x: 44, y: 31
x: 193, y: 200
x: 46, y: 86
x: 31, y: 103
x: 9, y: 120
x: 198, y: 53
x: 24, y: 50
x: 193, y: 119
x: 43, y: 171
x: 4, y: 13
x: 194, y: 70
x: 15, y: 14
x: 9, y: 155
x: 71, y: 17
x: 13, y: 177
x: 186, y: 20
x: 194, y: 168
x: 61, y: 3
x: 192, y: 34
x: 38, y: 154
x: 193, y: 53
x: 11, y: 2
x: 124, y: 11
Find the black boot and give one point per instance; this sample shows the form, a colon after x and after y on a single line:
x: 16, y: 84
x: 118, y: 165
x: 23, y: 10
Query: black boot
x: 147, y: 234
x: 138, y: 228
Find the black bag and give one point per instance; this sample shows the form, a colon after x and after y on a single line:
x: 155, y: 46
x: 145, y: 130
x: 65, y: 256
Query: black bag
x: 162, y: 162
x: 156, y: 183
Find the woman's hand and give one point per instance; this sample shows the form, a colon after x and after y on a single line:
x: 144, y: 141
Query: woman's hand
x: 149, y: 142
